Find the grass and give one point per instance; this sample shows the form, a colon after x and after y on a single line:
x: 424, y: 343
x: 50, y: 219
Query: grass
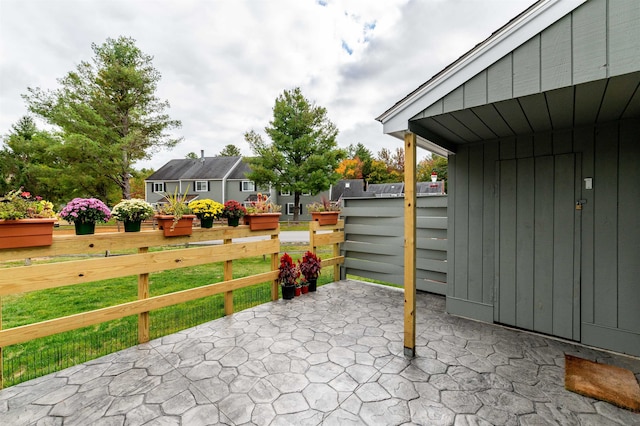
x: 42, y: 356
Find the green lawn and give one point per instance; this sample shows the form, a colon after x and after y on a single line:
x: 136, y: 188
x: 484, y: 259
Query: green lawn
x: 41, y: 356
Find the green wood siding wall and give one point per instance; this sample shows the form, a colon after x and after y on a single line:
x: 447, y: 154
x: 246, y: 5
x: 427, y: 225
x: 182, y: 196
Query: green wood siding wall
x: 609, y: 237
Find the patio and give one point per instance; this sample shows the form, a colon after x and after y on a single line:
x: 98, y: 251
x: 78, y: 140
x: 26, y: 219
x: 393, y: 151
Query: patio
x: 331, y: 357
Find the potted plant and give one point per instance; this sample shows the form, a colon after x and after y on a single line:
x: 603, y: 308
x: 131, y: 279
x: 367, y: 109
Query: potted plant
x: 132, y: 212
x: 288, y: 274
x: 207, y: 211
x: 233, y: 211
x: 174, y: 216
x: 84, y: 213
x: 324, y: 212
x: 310, y: 266
x: 25, y: 221
x: 262, y: 214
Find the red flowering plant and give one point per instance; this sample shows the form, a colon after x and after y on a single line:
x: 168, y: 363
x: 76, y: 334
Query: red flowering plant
x: 288, y: 271
x: 233, y: 209
x: 310, y: 265
x: 19, y: 204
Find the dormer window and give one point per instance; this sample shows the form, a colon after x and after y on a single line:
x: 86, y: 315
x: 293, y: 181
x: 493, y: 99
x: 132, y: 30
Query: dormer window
x: 248, y: 186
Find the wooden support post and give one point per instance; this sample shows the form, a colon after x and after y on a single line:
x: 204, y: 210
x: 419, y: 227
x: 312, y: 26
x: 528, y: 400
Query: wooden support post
x: 144, y: 335
x: 227, y: 274
x: 409, y: 244
x: 275, y: 262
x: 1, y: 358
x: 313, y: 228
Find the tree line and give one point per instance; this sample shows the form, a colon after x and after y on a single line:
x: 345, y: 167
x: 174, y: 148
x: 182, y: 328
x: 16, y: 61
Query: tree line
x: 105, y: 116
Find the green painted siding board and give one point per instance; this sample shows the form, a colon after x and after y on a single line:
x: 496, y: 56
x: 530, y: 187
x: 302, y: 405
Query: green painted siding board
x: 560, y: 105
x: 507, y: 148
x: 535, y: 108
x: 488, y: 221
x: 462, y: 223
x: 432, y: 222
x: 466, y: 308
x: 460, y: 129
x: 507, y: 269
x: 489, y: 114
x: 555, y: 55
x: 474, y: 124
x: 543, y: 246
x: 623, y: 341
x: 524, y: 146
x: 562, y: 142
x: 587, y: 102
x: 512, y: 112
x: 563, y: 250
x: 436, y: 108
x: 431, y: 286
x: 584, y: 144
x: 476, y: 173
x: 500, y: 80
x: 431, y: 265
x: 633, y: 109
x: 629, y: 228
x: 618, y: 94
x: 524, y: 242
x: 475, y: 90
x: 454, y: 100
x: 451, y: 228
x: 590, y: 41
x: 624, y: 36
x: 605, y: 183
x: 526, y: 68
x: 542, y: 144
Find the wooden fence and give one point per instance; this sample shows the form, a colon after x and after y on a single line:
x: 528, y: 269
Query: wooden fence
x: 374, y: 240
x: 141, y: 262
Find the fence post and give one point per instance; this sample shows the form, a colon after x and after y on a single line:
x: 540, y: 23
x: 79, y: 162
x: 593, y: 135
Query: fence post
x: 143, y: 293
x: 227, y: 269
x: 313, y: 228
x: 409, y: 244
x: 275, y: 263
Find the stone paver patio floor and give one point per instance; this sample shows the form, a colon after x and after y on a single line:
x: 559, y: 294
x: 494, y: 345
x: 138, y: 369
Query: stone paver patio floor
x: 333, y: 357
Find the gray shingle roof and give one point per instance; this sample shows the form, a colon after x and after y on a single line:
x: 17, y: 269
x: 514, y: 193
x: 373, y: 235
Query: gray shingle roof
x: 210, y: 168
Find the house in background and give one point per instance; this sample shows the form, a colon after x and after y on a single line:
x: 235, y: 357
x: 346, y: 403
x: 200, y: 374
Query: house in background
x: 220, y: 179
x: 541, y: 125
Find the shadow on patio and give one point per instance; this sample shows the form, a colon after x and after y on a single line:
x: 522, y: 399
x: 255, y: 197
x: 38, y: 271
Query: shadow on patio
x: 331, y: 357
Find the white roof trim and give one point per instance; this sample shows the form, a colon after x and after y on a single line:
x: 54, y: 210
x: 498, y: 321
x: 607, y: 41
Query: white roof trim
x: 534, y: 21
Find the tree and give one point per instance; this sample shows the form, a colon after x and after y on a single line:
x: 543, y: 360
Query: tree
x: 230, y: 151
x: 108, y: 115
x: 303, y: 154
x: 434, y: 163
x: 191, y: 156
x: 350, y: 168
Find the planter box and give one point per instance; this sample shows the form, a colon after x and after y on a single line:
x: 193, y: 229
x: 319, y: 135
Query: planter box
x: 262, y: 221
x: 325, y: 218
x: 26, y: 233
x: 183, y: 227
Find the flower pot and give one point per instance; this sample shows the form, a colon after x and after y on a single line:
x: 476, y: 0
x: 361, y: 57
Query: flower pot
x: 288, y: 292
x: 305, y: 289
x: 26, y: 233
x: 233, y: 221
x: 85, y: 228
x: 183, y: 227
x: 206, y: 222
x: 298, y: 291
x: 262, y: 221
x: 132, y: 225
x: 313, y: 282
x: 325, y: 218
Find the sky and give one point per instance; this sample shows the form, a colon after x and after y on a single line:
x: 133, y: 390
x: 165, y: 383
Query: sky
x: 224, y: 62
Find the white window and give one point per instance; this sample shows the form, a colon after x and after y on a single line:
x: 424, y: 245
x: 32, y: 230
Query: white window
x: 158, y: 187
x: 201, y: 186
x: 290, y: 209
x: 248, y: 186
x: 306, y: 194
x: 285, y: 193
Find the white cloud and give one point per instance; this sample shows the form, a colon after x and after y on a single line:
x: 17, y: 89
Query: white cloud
x: 223, y: 63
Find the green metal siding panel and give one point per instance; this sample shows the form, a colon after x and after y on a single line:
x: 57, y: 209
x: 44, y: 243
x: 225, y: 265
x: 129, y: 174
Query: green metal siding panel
x: 535, y: 107
x: 507, y: 242
x: 542, y: 144
x: 488, y: 221
x: 624, y: 36
x: 590, y: 42
x: 555, y: 52
x: 451, y: 225
x: 560, y: 105
x: 524, y: 146
x: 629, y: 228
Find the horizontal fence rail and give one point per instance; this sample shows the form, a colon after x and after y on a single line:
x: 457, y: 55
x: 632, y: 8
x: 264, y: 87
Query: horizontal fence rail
x: 374, y: 240
x: 138, y: 260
